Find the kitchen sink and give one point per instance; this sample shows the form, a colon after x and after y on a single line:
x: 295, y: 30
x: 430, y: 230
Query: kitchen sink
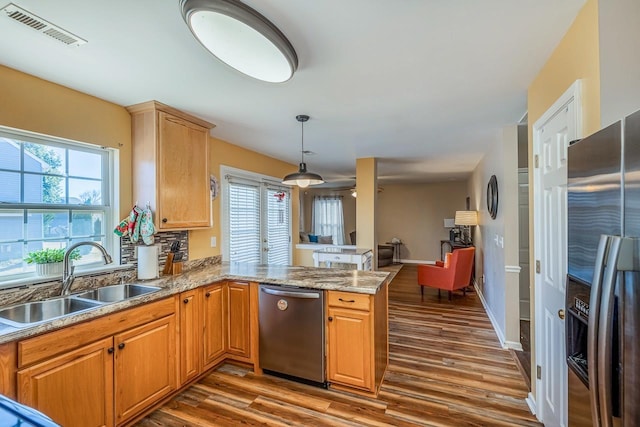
x: 117, y: 293
x: 31, y: 313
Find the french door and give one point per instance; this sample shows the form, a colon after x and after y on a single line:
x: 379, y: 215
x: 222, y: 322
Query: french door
x: 256, y: 221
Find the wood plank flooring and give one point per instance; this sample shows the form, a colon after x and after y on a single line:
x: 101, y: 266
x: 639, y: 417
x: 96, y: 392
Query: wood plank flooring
x: 446, y: 368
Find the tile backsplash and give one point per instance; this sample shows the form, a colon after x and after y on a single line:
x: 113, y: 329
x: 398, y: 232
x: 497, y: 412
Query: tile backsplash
x: 164, y: 239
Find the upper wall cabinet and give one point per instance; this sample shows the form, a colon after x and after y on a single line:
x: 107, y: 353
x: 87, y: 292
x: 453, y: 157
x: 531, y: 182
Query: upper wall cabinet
x: 171, y: 165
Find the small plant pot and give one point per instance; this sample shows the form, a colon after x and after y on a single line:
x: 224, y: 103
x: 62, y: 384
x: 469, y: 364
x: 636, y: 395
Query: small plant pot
x: 50, y: 269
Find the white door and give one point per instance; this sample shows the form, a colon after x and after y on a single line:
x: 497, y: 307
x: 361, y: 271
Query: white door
x: 552, y: 134
x: 257, y: 221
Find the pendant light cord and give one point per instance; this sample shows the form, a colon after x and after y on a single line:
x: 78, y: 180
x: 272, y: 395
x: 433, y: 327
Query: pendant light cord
x: 302, y: 152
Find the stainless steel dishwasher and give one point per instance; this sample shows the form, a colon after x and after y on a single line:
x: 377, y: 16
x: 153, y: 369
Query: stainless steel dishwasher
x: 292, y: 332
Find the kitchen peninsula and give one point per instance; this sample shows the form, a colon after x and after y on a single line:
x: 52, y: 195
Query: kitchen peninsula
x: 172, y: 337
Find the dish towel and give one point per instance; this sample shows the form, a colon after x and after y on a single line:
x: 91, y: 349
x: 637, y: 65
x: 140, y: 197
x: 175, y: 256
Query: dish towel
x: 146, y: 228
x: 138, y: 224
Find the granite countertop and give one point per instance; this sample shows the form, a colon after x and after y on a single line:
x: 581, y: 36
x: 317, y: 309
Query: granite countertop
x: 365, y: 282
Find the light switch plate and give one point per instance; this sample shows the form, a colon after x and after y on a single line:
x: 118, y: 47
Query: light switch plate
x: 214, y: 242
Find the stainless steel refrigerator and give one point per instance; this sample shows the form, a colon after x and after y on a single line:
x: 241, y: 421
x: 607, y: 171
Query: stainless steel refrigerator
x: 603, y: 282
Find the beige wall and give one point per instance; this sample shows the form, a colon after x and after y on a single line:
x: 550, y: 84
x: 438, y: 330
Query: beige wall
x: 576, y: 57
x: 36, y: 105
x: 619, y: 32
x: 224, y: 153
x: 497, y: 240
x: 366, y: 205
x: 415, y: 214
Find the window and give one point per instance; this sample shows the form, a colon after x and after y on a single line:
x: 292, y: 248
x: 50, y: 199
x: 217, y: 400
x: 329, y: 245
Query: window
x: 54, y: 193
x: 256, y: 219
x: 328, y: 218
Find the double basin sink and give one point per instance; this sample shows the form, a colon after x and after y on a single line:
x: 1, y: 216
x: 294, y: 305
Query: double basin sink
x: 32, y: 313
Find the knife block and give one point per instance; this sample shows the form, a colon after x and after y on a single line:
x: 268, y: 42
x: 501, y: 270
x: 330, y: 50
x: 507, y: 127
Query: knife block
x: 176, y: 267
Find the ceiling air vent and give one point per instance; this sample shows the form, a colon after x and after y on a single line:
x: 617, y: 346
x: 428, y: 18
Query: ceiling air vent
x: 42, y: 26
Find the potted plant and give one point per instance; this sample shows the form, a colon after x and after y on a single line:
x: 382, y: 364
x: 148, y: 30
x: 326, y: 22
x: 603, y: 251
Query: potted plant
x: 49, y: 261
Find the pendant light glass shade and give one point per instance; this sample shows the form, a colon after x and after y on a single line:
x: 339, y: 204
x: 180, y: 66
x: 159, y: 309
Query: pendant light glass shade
x: 242, y: 38
x: 302, y: 178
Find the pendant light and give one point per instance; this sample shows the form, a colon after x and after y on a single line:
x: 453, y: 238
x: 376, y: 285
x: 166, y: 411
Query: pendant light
x: 242, y: 38
x: 302, y: 178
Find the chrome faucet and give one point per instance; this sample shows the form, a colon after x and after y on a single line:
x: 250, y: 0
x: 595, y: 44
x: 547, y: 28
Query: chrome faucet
x: 67, y: 268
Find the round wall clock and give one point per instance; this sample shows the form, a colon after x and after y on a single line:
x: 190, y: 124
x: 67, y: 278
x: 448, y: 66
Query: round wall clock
x: 492, y: 196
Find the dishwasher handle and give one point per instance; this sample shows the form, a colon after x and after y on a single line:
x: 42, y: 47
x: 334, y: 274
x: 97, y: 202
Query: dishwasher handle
x: 304, y: 295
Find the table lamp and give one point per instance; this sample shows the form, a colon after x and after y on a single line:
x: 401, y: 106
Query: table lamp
x: 466, y: 219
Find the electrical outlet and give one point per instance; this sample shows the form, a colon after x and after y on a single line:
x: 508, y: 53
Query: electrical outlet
x: 214, y: 243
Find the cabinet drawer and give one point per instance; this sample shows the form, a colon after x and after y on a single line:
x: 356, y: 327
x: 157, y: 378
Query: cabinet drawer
x: 42, y: 347
x: 337, y: 258
x: 349, y: 300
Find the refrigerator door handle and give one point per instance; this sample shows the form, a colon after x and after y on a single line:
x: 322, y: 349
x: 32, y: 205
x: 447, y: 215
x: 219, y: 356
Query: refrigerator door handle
x: 605, y: 333
x: 594, y: 318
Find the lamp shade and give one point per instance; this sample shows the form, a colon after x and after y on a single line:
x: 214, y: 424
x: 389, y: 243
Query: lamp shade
x: 466, y: 218
x: 303, y: 178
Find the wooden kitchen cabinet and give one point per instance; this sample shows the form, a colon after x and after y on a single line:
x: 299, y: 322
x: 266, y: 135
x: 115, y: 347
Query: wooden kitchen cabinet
x: 214, y: 314
x: 349, y: 347
x: 357, y: 339
x: 170, y: 157
x: 239, y: 331
x: 190, y: 335
x: 83, y: 377
x: 104, y: 371
x: 144, y: 366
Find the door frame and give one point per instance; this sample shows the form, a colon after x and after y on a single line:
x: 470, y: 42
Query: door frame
x: 573, y: 93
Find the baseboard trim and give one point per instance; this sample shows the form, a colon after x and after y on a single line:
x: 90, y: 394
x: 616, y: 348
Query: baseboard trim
x: 531, y: 403
x: 416, y: 261
x: 514, y: 345
x: 492, y: 318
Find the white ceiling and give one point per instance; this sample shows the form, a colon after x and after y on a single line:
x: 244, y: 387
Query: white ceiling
x: 423, y: 85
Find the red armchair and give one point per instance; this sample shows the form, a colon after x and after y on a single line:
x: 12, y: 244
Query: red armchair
x: 453, y: 274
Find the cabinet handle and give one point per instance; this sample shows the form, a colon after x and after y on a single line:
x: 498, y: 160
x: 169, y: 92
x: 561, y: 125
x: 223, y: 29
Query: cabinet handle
x: 164, y: 219
x: 186, y: 300
x: 110, y: 350
x: 121, y: 345
x: 347, y: 300
x: 330, y: 319
x: 208, y: 294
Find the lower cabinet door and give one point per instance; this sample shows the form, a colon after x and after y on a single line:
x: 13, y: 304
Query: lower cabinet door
x: 215, y: 324
x: 74, y: 389
x: 190, y: 333
x: 145, y: 366
x: 350, y: 350
x: 239, y: 338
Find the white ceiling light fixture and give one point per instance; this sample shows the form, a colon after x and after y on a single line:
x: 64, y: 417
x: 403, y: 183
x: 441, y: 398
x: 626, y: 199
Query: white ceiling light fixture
x: 302, y: 178
x: 242, y: 38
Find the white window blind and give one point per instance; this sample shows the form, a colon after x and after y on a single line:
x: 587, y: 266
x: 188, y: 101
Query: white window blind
x: 244, y: 222
x: 278, y: 226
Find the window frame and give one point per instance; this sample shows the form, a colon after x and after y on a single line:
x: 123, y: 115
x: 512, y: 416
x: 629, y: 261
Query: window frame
x: 110, y: 185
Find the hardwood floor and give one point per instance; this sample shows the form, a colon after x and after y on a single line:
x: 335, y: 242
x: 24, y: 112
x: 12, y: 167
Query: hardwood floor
x: 446, y: 368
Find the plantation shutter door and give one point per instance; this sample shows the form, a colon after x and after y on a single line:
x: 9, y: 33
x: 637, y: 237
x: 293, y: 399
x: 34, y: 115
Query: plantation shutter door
x: 244, y: 222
